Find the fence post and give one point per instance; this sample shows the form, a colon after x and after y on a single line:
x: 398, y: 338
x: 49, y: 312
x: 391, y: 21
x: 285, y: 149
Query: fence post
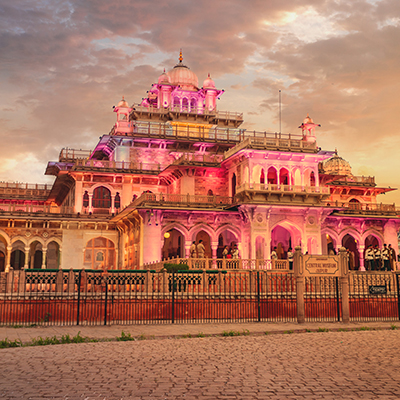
x: 258, y: 296
x: 105, y: 299
x: 71, y: 278
x: 148, y: 282
x: 71, y: 282
x: 344, y: 280
x: 21, y: 282
x: 9, y: 281
x: 299, y: 274
x: 173, y: 297
x: 59, y: 281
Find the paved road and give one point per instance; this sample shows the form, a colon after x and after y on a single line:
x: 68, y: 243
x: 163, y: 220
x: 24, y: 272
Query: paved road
x: 326, y: 365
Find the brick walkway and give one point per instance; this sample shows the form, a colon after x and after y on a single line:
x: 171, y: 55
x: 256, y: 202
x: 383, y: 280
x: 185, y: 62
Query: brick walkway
x: 323, y: 365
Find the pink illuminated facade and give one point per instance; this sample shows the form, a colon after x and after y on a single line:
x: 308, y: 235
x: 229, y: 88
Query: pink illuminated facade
x: 173, y: 170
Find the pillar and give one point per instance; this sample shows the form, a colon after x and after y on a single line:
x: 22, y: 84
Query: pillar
x: 44, y: 253
x: 90, y: 202
x: 112, y: 203
x: 26, y: 264
x: 298, y: 269
x: 8, y: 258
x: 361, y: 249
x: 60, y: 258
x: 188, y: 243
x: 214, y: 247
x: 344, y: 281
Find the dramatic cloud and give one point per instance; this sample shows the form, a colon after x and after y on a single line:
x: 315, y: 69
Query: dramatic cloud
x: 65, y: 63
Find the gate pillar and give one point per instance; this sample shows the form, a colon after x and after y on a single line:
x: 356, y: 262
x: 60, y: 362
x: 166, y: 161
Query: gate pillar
x: 344, y: 282
x: 298, y: 269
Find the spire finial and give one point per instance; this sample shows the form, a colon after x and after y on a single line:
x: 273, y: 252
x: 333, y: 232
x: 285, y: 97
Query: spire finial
x: 123, y: 97
x: 335, y: 150
x: 180, y: 56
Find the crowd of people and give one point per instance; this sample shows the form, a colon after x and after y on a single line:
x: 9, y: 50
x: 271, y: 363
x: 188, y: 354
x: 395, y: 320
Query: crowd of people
x: 377, y: 259
x: 198, y: 251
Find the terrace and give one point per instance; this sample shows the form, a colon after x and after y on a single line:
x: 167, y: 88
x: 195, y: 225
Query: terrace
x: 181, y: 201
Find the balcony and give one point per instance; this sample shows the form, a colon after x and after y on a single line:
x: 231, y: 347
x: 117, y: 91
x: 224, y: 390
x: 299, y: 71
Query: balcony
x: 200, y: 114
x: 120, y: 166
x: 199, y: 159
x: 272, y: 141
x: 364, y: 208
x: 356, y: 180
x: 181, y: 201
x: 11, y: 190
x: 260, y: 193
x: 69, y: 155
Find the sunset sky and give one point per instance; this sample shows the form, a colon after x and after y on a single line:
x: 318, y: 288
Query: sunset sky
x: 64, y: 64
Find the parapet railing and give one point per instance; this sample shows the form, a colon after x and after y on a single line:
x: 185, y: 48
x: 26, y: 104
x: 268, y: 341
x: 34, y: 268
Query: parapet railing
x: 270, y: 187
x: 221, y: 264
x: 182, y: 200
x: 6, y: 186
x: 188, y: 110
x: 188, y: 158
x: 29, y: 207
x: 73, y: 154
x: 124, y: 165
x: 361, y: 207
x: 264, y: 140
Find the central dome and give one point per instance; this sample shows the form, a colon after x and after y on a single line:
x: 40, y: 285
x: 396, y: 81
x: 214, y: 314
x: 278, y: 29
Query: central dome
x: 182, y: 76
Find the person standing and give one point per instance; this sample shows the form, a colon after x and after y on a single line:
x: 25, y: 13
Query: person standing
x: 377, y: 258
x: 290, y: 258
x: 274, y: 254
x: 200, y: 249
x: 193, y: 250
x: 369, y: 257
x: 225, y: 252
x: 385, y: 258
x: 235, y: 252
x: 392, y: 258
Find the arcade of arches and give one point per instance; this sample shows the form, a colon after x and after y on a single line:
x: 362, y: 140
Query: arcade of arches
x: 32, y: 256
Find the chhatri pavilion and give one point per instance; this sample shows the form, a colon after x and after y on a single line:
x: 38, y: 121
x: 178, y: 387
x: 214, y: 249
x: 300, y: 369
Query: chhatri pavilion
x: 175, y: 169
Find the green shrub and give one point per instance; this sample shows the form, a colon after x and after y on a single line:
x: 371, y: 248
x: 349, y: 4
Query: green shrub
x: 168, y: 267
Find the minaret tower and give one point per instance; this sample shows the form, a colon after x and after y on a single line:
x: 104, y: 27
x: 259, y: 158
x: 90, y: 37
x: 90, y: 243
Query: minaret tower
x: 123, y: 126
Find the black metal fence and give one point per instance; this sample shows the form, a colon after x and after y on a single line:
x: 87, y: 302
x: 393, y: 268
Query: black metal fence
x: 91, y: 297
x: 374, y: 296
x: 62, y: 297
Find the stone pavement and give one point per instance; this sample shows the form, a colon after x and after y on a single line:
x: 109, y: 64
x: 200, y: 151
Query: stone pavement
x: 323, y: 365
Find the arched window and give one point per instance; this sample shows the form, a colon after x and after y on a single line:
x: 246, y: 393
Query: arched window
x: 272, y: 178
x: 262, y: 176
x: 117, y: 201
x: 86, y: 199
x: 193, y: 105
x: 100, y: 254
x: 101, y: 198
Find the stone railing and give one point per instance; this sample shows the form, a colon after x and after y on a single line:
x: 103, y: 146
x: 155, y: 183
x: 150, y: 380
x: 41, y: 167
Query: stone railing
x: 269, y: 187
x: 192, y: 158
x: 182, y: 200
x: 264, y: 141
x: 73, y: 154
x: 221, y: 264
x: 122, y: 165
x: 353, y: 207
x: 7, y: 206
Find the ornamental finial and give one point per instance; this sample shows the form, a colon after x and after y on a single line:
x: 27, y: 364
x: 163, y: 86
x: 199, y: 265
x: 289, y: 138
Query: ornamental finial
x: 180, y: 56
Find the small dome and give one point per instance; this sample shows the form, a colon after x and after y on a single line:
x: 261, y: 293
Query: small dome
x: 164, y: 78
x: 337, y: 166
x: 308, y: 120
x: 123, y: 103
x: 209, y: 83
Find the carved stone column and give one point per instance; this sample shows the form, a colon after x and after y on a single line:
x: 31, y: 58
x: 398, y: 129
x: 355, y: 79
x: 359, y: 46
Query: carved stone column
x: 44, y: 254
x: 26, y: 265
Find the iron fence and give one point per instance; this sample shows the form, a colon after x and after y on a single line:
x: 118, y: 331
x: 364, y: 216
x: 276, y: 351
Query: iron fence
x: 92, y: 297
x: 322, y: 298
x: 374, y: 296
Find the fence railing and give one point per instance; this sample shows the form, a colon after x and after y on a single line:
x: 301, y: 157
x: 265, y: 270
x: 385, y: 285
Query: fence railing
x: 222, y: 264
x: 270, y: 187
x: 124, y: 165
x: 182, y: 200
x: 58, y: 297
x: 367, y: 207
x: 96, y: 297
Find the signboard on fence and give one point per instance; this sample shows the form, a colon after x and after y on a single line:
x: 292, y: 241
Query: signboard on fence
x: 321, y: 265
